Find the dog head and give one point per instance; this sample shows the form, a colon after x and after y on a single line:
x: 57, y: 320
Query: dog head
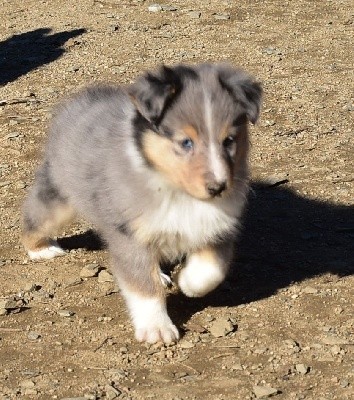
x: 191, y: 125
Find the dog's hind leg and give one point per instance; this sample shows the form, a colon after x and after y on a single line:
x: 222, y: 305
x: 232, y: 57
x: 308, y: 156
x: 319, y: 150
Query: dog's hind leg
x: 45, y: 212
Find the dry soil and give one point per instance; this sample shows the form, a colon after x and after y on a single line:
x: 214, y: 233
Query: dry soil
x: 282, y: 324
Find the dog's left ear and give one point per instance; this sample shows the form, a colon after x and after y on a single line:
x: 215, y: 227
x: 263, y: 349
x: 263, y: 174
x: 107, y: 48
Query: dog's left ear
x: 243, y: 89
x: 154, y: 92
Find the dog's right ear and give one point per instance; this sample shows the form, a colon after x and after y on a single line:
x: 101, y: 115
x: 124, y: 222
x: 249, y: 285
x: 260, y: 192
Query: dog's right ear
x: 153, y: 93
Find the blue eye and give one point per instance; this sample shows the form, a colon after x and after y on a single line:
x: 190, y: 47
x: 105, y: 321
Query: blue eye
x: 228, y: 142
x: 187, y: 144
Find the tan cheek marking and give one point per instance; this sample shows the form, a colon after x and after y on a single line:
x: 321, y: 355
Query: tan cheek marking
x: 159, y: 151
x: 185, y: 173
x: 195, y: 174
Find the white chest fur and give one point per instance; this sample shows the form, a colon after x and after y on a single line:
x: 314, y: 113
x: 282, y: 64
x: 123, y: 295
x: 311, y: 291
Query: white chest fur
x: 177, y: 223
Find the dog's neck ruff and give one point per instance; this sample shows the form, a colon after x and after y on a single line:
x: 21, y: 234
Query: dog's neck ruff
x: 177, y: 223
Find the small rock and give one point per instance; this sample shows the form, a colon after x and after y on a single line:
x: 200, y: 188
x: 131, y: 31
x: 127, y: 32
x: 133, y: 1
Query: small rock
x: 194, y: 14
x: 180, y: 375
x: 166, y: 7
x: 90, y: 271
x: 21, y: 185
x: 66, y: 313
x: 12, y: 135
x: 155, y: 8
x: 221, y: 327
x: 344, y: 383
x: 105, y: 276
x: 309, y: 290
x: 74, y: 398
x: 112, y: 393
x: 73, y: 282
x: 30, y: 287
x: 33, y: 335
x: 5, y: 183
x: 185, y: 344
x: 11, y: 305
x: 333, y: 340
x: 30, y: 392
x: 264, y: 391
x: 193, y: 327
x: 237, y: 367
x: 27, y: 384
x: 302, y: 369
x: 222, y: 16
x: 276, y: 180
x: 114, y: 27
x: 335, y: 350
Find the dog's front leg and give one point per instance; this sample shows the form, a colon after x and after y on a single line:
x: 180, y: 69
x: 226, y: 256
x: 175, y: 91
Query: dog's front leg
x: 205, y: 269
x: 138, y: 274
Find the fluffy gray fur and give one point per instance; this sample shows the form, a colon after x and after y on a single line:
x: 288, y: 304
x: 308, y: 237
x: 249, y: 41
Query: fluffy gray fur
x: 94, y: 164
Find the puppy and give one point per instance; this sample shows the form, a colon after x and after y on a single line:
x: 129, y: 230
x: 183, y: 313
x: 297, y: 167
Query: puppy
x: 160, y: 168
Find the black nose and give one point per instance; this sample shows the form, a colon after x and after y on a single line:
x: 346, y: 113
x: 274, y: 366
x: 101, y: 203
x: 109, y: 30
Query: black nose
x: 216, y: 188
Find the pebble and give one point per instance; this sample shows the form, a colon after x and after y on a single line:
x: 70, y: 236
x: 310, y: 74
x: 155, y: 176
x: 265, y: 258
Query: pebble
x: 302, y: 369
x: 344, y: 383
x: 5, y: 183
x: 74, y: 398
x: 166, y: 7
x: 33, y: 335
x: 30, y: 287
x: 27, y: 384
x: 12, y: 135
x: 90, y: 271
x: 264, y: 391
x: 73, y: 282
x: 276, y: 180
x: 155, y: 8
x: 335, y: 349
x: 309, y: 290
x: 66, y: 313
x: 11, y: 305
x: 221, y: 327
x: 333, y: 340
x: 111, y: 392
x: 222, y: 16
x: 194, y: 14
x: 105, y: 276
x: 185, y: 344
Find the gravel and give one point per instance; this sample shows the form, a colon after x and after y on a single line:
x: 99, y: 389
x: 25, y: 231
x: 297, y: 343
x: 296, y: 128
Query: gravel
x: 290, y: 288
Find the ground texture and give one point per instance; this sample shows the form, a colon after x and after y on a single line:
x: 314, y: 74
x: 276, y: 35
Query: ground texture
x: 282, y: 325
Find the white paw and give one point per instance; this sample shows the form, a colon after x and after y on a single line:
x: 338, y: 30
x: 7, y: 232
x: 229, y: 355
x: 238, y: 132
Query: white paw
x: 160, y: 331
x: 199, y: 276
x: 54, y: 250
x: 165, y: 280
x: 150, y: 319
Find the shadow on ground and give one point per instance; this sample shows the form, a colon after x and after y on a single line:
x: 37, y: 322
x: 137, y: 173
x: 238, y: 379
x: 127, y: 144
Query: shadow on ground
x: 285, y: 238
x: 27, y: 51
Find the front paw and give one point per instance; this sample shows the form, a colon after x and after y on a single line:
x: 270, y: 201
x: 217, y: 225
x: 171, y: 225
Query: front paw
x: 150, y: 319
x: 157, y: 331
x: 202, y: 274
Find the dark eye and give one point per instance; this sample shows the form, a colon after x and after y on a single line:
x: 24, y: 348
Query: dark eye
x: 228, y: 142
x: 187, y: 144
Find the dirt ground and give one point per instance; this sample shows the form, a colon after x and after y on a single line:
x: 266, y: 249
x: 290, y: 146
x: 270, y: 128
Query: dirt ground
x: 282, y: 325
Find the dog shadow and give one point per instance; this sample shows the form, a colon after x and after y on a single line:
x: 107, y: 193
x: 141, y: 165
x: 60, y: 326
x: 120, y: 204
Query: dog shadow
x: 285, y: 238
x: 27, y: 51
